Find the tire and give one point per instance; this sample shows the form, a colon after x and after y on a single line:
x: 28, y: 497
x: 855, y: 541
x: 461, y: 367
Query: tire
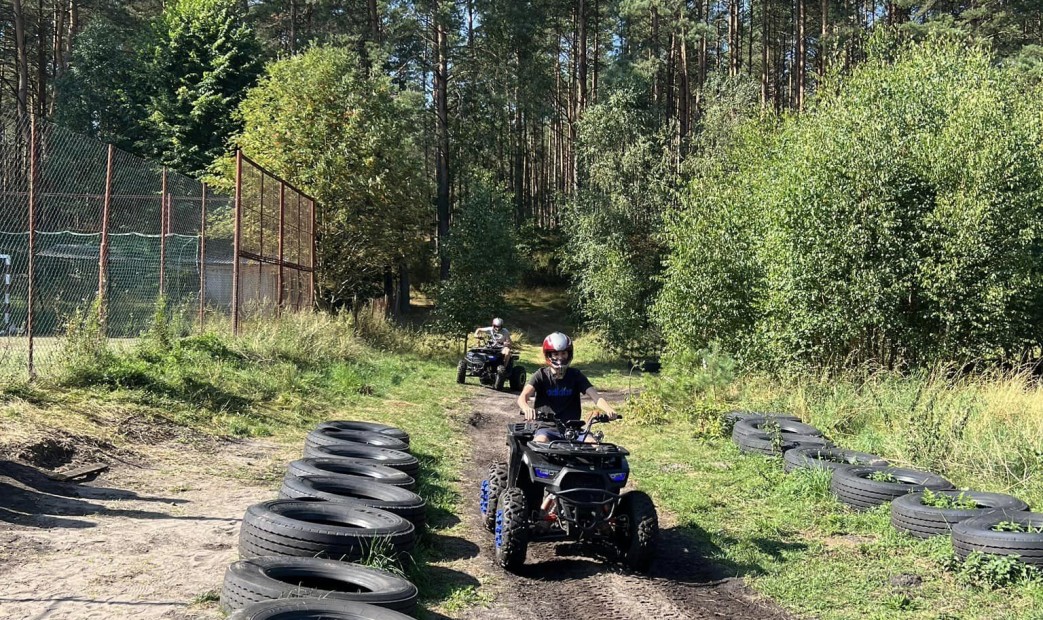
x: 331, y: 530
x: 461, y: 371
x: 977, y: 535
x: 735, y: 416
x: 827, y: 458
x: 501, y: 378
x: 755, y: 425
x: 329, y: 436
x: 762, y: 443
x: 732, y: 417
x: 512, y: 529
x: 853, y: 486
x: 372, y: 427
x: 350, y: 467
x: 401, y: 461
x: 310, y: 608
x: 360, y: 491
x: 909, y: 514
x: 489, y: 497
x: 517, y: 379
x: 637, y: 541
x: 280, y: 577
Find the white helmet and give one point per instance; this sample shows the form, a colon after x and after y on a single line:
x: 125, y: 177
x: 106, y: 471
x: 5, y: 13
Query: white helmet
x: 497, y: 322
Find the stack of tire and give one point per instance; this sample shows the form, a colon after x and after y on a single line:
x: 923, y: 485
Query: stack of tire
x: 922, y: 504
x: 350, y: 499
x: 773, y: 434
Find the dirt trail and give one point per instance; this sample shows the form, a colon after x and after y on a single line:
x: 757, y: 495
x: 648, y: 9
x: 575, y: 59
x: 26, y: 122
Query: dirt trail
x: 100, y: 550
x: 559, y: 582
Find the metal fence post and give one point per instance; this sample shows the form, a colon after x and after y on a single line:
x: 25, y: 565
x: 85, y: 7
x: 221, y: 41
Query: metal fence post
x: 103, y: 251
x: 236, y: 241
x: 314, y: 251
x: 282, y: 235
x: 163, y: 236
x: 202, y: 261
x: 260, y: 245
x: 33, y: 190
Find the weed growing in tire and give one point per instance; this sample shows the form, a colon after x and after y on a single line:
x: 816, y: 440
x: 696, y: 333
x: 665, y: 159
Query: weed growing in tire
x: 381, y: 554
x: 882, y: 476
x: 774, y: 432
x: 939, y: 500
x: 994, y: 571
x: 1014, y: 526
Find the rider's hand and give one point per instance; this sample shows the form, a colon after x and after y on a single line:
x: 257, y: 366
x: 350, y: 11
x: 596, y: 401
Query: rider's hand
x: 530, y: 412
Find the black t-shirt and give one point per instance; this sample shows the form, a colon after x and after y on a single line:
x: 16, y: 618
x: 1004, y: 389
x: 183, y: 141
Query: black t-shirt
x: 561, y: 395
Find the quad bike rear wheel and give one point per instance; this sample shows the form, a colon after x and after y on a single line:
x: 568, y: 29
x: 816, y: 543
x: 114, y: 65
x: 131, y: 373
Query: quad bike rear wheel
x: 461, y: 371
x: 512, y: 529
x: 501, y: 377
x: 492, y: 487
x: 517, y: 379
x: 639, y: 530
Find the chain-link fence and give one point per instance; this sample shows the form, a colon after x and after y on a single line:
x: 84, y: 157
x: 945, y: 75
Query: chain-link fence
x: 83, y: 223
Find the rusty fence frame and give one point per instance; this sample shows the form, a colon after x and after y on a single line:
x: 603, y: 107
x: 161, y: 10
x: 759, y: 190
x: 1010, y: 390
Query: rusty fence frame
x: 238, y: 255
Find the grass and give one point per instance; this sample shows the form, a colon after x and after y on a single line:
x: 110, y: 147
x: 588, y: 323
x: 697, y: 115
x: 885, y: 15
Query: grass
x: 790, y: 539
x: 793, y: 542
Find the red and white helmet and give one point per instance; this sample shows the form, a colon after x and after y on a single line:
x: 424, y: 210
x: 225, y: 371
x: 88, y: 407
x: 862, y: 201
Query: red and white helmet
x: 497, y: 322
x: 556, y: 343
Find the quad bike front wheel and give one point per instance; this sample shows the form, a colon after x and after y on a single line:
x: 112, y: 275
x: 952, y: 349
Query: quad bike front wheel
x: 512, y: 529
x: 517, y: 379
x: 501, y: 377
x: 638, y: 531
x: 461, y: 371
x: 492, y: 487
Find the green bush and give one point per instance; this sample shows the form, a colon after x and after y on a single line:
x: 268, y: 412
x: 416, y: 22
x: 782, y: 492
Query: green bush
x: 483, y: 258
x: 896, y: 222
x: 613, y: 251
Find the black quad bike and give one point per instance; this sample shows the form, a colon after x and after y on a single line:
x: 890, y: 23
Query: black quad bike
x: 584, y: 482
x: 486, y: 361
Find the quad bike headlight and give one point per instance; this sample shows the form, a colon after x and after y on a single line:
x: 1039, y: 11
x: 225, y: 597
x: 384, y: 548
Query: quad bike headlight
x: 620, y: 477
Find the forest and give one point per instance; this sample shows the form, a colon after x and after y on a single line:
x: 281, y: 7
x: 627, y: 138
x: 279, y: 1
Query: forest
x: 799, y: 184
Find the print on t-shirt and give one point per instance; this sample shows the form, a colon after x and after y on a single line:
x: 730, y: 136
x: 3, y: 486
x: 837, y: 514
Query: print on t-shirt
x: 560, y: 394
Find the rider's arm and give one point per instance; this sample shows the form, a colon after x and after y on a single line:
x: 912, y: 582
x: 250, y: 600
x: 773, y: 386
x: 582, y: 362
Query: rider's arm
x: 599, y: 401
x: 523, y: 402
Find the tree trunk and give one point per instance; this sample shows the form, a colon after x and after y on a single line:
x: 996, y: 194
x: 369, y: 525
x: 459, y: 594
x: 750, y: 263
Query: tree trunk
x: 823, y: 33
x: 22, y: 60
x: 403, y: 289
x: 765, y: 73
x: 656, y: 94
x: 581, y: 59
x: 734, y: 48
x: 801, y: 52
x: 292, y: 43
x: 597, y: 51
x: 41, y: 61
x: 441, y: 82
x: 374, y: 21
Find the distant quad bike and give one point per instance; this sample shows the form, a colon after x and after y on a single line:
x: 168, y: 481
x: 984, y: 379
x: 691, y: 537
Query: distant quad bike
x: 486, y: 361
x: 585, y: 480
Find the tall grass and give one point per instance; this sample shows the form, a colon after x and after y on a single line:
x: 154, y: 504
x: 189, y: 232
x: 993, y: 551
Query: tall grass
x: 981, y: 431
x: 984, y: 431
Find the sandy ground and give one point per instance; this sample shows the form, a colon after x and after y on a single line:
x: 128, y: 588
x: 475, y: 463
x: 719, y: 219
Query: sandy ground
x: 142, y: 540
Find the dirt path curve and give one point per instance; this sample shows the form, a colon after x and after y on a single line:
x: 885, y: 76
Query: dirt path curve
x: 559, y: 583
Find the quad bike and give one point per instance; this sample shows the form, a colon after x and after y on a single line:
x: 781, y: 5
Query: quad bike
x: 581, y: 478
x: 487, y: 362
